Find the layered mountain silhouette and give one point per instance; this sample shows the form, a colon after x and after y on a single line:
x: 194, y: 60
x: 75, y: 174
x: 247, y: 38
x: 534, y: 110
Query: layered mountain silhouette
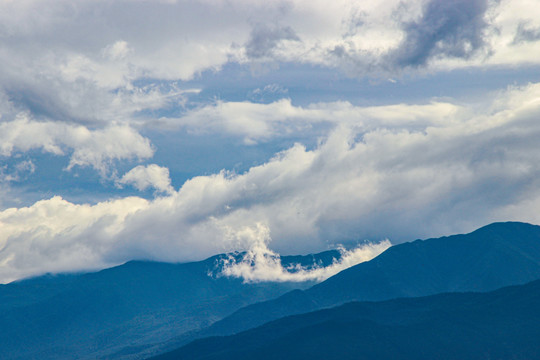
x: 143, y: 308
x: 503, y: 324
x: 120, y: 311
x: 491, y: 257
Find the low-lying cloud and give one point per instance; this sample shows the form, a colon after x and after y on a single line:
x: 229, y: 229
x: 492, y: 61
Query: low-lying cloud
x: 259, y: 263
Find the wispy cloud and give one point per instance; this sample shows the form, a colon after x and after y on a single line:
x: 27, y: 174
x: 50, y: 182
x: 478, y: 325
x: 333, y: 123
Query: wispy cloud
x: 259, y: 263
x: 256, y: 122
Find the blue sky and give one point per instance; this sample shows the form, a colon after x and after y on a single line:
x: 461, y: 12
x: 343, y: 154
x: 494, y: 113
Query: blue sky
x: 174, y: 130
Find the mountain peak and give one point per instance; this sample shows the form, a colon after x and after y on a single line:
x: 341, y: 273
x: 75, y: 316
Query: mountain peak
x: 508, y: 226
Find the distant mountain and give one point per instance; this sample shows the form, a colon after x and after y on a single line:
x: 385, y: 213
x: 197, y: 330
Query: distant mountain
x: 491, y: 257
x: 120, y: 311
x: 503, y: 324
x: 139, y: 308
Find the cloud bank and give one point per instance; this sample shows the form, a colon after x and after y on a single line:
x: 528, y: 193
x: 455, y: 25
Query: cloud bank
x: 440, y: 169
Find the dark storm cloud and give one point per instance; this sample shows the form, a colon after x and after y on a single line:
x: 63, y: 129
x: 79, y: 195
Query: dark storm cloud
x: 446, y: 28
x: 263, y: 40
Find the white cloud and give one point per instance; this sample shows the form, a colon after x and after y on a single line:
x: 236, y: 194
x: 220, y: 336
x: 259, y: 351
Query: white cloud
x: 262, y: 122
x: 55, y: 235
x: 96, y: 148
x: 100, y: 147
x: 150, y: 176
x: 259, y: 263
x: 471, y: 166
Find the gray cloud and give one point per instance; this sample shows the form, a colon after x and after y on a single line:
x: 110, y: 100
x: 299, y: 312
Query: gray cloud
x: 263, y: 40
x: 526, y: 33
x: 446, y: 28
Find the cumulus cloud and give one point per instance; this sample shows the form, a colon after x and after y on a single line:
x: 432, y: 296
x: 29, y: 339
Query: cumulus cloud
x: 259, y: 263
x: 373, y: 180
x: 95, y: 148
x: 150, y: 176
x: 55, y: 235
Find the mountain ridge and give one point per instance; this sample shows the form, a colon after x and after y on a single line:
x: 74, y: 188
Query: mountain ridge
x: 134, y: 304
x: 142, y: 308
x: 500, y: 324
x: 509, y: 254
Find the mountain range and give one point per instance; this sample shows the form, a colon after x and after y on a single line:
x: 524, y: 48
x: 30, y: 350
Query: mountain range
x: 141, y: 309
x: 503, y: 324
x: 120, y: 311
x: 497, y: 255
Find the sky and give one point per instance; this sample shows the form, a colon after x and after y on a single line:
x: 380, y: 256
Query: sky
x: 175, y: 130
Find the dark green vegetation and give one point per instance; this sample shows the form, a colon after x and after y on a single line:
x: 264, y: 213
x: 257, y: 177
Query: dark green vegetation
x: 494, y: 256
x: 503, y: 324
x: 120, y: 312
